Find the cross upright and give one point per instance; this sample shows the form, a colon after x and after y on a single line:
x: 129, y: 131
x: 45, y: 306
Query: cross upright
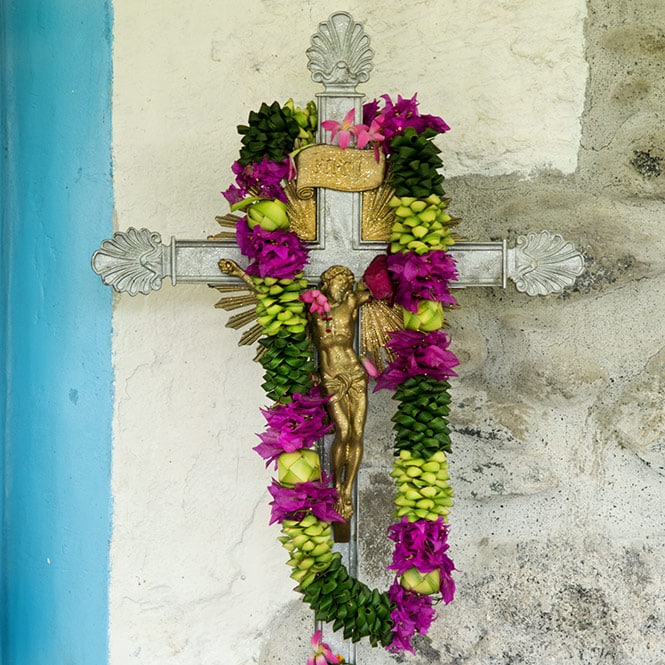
x: 334, y: 216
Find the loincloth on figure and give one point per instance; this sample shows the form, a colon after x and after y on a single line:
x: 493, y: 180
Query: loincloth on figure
x: 348, y: 384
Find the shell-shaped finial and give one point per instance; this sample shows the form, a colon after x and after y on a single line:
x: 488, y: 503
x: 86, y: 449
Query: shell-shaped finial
x: 131, y: 261
x: 545, y: 263
x: 339, y: 56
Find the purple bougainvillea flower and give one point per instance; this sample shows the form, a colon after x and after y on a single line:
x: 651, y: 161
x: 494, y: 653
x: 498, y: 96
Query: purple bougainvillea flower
x: 417, y: 354
x: 412, y: 613
x: 423, y: 545
x: 422, y: 276
x: 262, y: 179
x: 234, y: 194
x: 280, y: 254
x: 294, y: 503
x: 371, y: 111
x: 397, y: 116
x: 377, y: 279
x: 293, y: 426
x: 245, y: 238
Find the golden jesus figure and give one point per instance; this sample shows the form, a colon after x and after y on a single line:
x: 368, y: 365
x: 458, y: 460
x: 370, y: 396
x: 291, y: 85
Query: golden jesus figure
x: 343, y: 377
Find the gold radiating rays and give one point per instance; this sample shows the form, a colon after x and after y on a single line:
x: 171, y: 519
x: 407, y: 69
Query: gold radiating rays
x: 228, y: 221
x: 240, y: 296
x: 377, y: 321
x: 377, y: 215
x: 301, y: 212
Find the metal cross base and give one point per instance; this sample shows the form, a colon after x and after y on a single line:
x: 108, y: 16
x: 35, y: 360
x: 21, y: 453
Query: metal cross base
x: 136, y: 261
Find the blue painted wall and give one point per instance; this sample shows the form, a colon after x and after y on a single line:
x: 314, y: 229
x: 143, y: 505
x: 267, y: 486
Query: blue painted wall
x: 56, y: 331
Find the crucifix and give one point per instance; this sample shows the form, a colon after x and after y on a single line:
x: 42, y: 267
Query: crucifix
x: 337, y: 204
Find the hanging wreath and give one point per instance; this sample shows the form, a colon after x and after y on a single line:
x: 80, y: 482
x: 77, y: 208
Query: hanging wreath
x: 413, y: 276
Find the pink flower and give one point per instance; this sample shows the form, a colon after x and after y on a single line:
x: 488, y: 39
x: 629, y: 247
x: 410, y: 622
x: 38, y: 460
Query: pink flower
x: 372, y: 134
x: 318, y: 303
x: 370, y: 367
x: 322, y: 655
x: 344, y: 130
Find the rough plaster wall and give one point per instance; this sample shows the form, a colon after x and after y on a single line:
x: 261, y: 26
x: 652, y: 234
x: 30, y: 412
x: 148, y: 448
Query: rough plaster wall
x: 558, y: 449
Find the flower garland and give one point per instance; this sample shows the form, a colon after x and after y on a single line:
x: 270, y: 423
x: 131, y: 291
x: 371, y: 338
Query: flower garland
x: 414, y: 274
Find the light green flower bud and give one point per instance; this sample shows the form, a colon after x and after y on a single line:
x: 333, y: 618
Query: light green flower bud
x: 425, y: 583
x: 300, y: 466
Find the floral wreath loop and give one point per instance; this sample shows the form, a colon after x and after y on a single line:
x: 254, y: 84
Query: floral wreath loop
x: 414, y: 276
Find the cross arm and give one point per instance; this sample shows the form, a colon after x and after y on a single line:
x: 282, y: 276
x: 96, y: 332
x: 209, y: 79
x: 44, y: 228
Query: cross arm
x: 136, y: 261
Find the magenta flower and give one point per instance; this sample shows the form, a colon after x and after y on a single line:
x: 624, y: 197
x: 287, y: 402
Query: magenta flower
x: 294, y: 503
x: 377, y: 279
x: 397, y: 116
x: 234, y: 194
x: 371, y: 111
x: 322, y: 655
x: 423, y: 545
x: 280, y: 254
x: 293, y: 426
x: 422, y: 276
x: 412, y: 613
x: 417, y: 354
x: 261, y: 179
x: 344, y: 131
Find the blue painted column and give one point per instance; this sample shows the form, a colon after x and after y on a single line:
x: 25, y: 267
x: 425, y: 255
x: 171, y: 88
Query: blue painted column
x: 55, y: 334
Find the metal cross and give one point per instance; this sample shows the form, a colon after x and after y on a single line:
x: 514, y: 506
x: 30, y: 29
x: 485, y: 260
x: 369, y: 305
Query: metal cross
x: 136, y: 261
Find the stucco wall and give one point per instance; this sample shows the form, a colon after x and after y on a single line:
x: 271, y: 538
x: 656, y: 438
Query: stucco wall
x: 557, y: 458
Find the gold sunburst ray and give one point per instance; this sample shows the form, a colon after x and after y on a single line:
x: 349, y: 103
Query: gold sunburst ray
x: 236, y: 302
x: 241, y: 319
x: 250, y: 336
x: 377, y: 215
x: 378, y: 320
x: 301, y: 212
x: 227, y: 221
